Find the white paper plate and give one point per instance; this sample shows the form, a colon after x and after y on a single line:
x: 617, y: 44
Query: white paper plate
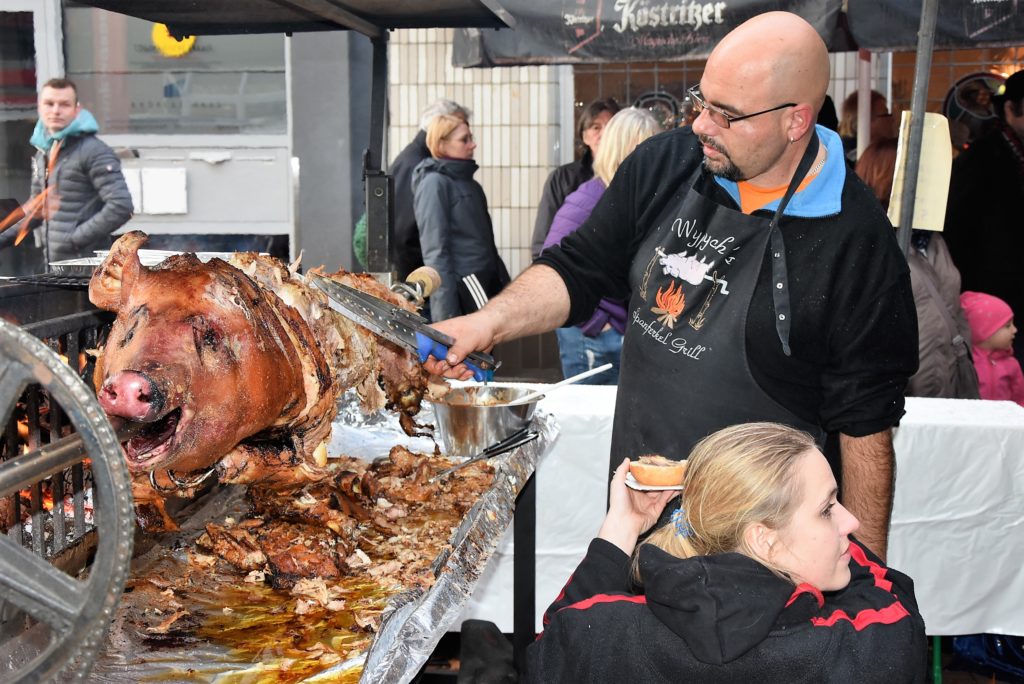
x: 633, y: 484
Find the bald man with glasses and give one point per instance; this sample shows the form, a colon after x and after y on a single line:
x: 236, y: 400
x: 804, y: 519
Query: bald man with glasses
x: 764, y: 279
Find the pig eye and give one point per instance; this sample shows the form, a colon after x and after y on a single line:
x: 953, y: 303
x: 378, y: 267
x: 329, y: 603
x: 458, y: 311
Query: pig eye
x: 128, y: 336
x: 204, y: 334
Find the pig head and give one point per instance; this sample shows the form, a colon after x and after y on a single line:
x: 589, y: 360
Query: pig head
x: 205, y: 358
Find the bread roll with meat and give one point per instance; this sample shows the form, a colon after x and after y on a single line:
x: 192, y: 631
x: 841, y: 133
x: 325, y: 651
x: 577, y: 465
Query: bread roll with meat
x: 658, y: 471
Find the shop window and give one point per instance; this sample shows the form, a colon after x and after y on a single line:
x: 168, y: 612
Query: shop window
x: 658, y: 86
x: 136, y: 78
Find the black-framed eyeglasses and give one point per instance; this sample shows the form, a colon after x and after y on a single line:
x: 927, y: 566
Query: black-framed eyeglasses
x: 721, y: 119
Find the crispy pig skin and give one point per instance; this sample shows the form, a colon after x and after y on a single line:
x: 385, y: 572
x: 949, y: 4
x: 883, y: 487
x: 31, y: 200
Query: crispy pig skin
x: 210, y: 345
x: 246, y: 362
x: 238, y: 545
x: 296, y: 551
x: 289, y: 551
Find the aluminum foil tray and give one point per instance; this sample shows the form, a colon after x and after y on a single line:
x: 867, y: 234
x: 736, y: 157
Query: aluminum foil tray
x: 84, y: 266
x: 412, y: 622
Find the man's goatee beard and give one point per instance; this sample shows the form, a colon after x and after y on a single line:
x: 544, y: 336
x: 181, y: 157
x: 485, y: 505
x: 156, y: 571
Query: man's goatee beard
x: 728, y: 172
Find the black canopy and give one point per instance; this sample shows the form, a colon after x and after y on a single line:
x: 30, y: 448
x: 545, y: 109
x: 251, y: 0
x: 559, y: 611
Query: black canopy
x: 893, y: 24
x: 591, y: 31
x: 574, y: 31
x: 369, y: 17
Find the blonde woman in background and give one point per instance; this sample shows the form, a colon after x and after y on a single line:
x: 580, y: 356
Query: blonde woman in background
x: 454, y: 225
x: 755, y: 579
x: 599, y: 340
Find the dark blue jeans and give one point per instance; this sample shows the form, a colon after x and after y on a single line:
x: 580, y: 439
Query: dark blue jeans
x: 580, y: 353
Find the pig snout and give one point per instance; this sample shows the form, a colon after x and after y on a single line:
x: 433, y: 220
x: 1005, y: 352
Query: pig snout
x: 131, y: 395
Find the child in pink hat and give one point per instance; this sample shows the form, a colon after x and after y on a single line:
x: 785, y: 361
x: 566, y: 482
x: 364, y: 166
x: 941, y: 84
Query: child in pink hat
x: 992, y: 331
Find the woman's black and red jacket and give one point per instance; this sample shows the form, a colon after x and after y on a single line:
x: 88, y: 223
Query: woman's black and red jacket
x: 727, y: 618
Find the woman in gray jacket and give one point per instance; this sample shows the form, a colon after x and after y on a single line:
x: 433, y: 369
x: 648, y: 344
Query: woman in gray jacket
x: 455, y: 229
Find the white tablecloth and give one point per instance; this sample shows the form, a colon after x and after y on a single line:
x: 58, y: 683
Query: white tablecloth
x: 957, y: 527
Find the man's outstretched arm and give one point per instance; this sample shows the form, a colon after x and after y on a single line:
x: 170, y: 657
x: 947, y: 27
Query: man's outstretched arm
x: 535, y: 302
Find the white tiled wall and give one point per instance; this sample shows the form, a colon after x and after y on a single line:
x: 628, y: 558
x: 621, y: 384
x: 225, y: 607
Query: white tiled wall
x: 515, y: 120
x: 844, y: 75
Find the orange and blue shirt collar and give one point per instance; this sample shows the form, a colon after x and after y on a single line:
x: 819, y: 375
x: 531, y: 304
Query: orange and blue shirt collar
x: 823, y: 196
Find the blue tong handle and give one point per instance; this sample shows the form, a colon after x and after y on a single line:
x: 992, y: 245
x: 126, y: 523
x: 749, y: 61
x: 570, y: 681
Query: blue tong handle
x: 430, y: 347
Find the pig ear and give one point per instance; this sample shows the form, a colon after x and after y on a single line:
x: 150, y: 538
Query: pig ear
x: 117, y: 272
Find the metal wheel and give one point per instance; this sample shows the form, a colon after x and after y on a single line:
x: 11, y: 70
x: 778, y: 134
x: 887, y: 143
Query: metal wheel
x: 76, y: 612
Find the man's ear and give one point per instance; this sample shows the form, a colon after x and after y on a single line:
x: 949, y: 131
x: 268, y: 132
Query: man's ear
x: 760, y: 540
x: 801, y: 120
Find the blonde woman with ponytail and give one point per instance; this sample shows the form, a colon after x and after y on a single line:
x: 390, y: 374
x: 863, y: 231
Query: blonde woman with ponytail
x: 754, y: 579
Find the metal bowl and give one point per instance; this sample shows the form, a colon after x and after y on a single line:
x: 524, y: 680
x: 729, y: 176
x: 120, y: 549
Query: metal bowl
x: 469, y: 419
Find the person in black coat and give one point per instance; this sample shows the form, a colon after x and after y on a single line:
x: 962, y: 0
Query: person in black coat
x: 404, y: 246
x: 564, y: 180
x: 756, y: 578
x: 983, y: 216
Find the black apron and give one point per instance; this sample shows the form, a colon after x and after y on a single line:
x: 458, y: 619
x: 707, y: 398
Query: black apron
x: 684, y: 363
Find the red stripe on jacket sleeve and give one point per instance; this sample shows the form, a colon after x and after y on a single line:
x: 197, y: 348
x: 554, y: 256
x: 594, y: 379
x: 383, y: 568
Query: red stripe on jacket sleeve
x: 605, y: 598
x: 546, y: 619
x: 597, y: 600
x: 892, y: 613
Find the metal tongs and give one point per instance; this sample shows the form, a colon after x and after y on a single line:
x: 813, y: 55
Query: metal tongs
x: 516, y: 439
x: 397, y: 325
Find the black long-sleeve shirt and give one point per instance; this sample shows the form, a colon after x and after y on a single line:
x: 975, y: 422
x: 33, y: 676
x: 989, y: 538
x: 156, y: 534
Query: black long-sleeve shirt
x: 854, y: 325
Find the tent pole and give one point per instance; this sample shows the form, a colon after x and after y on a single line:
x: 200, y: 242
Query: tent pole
x: 864, y: 103
x: 379, y: 186
x: 918, y: 105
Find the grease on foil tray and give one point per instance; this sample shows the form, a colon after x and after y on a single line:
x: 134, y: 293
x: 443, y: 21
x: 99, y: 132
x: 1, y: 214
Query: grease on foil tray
x: 187, y: 615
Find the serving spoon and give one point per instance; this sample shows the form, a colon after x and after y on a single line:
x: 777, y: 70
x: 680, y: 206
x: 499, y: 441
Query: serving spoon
x: 533, y: 396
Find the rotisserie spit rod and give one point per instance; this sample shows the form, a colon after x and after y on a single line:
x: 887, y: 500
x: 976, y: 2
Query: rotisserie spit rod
x: 18, y: 473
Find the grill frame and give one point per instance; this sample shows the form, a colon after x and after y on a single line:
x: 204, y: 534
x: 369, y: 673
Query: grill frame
x: 63, y: 319
x: 68, y: 324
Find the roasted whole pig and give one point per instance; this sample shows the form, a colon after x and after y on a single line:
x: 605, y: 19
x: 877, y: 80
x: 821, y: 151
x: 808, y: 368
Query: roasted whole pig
x: 236, y: 367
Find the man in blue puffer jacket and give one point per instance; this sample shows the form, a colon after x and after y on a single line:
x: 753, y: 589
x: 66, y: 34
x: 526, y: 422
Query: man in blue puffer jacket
x: 86, y: 197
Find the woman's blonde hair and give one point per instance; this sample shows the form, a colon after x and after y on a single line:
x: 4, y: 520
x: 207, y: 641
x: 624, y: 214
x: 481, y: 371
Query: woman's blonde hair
x: 627, y: 129
x: 736, y: 477
x: 440, y: 129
